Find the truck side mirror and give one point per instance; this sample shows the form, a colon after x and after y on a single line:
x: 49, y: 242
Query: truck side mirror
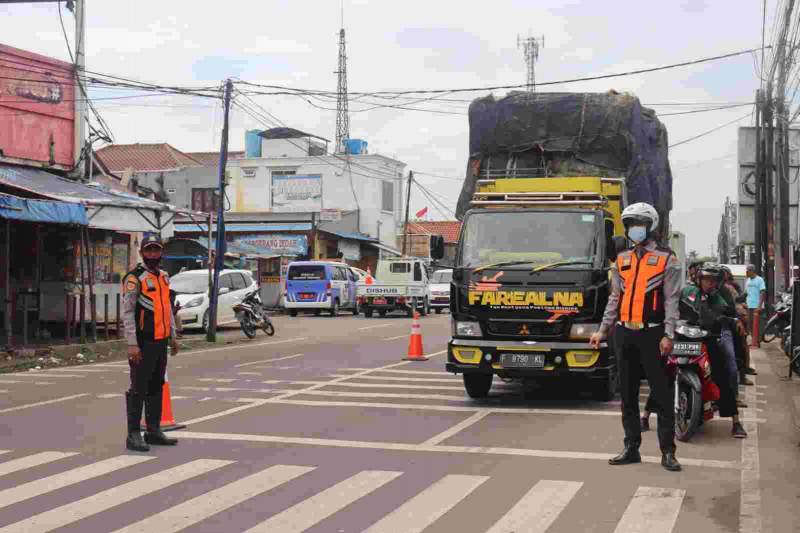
x: 616, y: 245
x: 437, y: 247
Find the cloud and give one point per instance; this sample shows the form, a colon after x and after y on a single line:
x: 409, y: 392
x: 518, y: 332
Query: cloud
x: 265, y: 45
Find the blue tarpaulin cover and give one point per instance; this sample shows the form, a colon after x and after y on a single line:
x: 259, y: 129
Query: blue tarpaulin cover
x: 15, y: 208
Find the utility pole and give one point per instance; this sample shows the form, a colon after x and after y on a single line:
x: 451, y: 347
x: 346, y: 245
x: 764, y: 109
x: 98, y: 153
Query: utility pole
x: 782, y: 149
x: 769, y: 165
x: 408, y: 205
x: 80, y: 92
x: 219, y: 260
x: 759, y: 197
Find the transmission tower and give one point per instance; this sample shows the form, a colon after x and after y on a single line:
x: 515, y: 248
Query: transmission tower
x: 342, y: 116
x: 530, y: 49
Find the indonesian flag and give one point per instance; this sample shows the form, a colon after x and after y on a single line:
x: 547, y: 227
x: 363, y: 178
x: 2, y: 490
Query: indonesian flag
x: 422, y: 212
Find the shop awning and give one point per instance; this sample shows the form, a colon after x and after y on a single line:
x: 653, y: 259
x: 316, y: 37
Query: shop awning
x: 15, y: 208
x: 240, y: 227
x: 107, y: 209
x: 352, y: 236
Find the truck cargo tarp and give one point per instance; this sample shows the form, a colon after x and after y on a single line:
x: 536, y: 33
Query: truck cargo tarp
x: 15, y: 208
x: 605, y: 134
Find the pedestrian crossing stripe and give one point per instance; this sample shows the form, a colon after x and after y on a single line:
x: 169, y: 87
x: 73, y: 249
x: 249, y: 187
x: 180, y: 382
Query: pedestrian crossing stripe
x: 650, y: 509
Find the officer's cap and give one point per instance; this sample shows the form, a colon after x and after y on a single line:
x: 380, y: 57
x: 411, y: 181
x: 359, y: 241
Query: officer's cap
x: 151, y: 240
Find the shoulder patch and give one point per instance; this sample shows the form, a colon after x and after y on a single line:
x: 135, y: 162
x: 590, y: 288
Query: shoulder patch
x: 652, y: 260
x: 131, y: 284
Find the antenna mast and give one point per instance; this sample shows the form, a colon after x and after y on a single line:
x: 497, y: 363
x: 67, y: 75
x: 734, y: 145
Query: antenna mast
x: 342, y: 116
x: 530, y: 50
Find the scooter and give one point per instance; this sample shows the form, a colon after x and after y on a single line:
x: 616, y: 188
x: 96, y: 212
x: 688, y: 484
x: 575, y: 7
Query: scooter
x: 694, y: 389
x: 251, y: 315
x: 781, y: 318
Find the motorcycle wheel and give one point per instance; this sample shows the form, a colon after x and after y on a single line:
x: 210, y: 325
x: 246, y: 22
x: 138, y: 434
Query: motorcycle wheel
x: 688, y: 410
x: 268, y: 328
x: 770, y: 332
x: 248, y: 327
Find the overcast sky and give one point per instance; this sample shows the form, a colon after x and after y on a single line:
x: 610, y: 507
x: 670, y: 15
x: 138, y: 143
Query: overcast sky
x: 417, y: 44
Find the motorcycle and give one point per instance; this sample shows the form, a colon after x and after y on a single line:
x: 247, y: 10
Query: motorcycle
x: 694, y: 389
x: 251, y: 315
x: 781, y: 318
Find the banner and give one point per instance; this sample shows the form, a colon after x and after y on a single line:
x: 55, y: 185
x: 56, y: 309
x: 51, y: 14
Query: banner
x: 297, y: 193
x: 274, y: 244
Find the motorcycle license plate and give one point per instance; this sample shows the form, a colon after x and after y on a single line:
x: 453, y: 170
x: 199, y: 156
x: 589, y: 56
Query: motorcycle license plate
x: 686, y: 348
x: 522, y: 360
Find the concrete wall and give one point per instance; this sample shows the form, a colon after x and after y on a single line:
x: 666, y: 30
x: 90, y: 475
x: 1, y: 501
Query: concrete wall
x: 179, y: 183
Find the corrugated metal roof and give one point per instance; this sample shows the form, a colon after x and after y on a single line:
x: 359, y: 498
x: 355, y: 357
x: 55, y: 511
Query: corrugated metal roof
x: 352, y: 236
x: 211, y: 159
x: 144, y: 157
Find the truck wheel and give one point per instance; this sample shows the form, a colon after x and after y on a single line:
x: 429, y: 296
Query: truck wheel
x: 411, y: 308
x: 438, y: 310
x: 478, y: 385
x: 382, y: 313
x: 335, y: 308
x: 368, y: 313
x: 356, y: 309
x: 293, y: 313
x: 426, y: 308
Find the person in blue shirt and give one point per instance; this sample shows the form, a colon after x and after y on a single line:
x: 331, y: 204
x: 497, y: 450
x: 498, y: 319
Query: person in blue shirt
x: 756, y: 291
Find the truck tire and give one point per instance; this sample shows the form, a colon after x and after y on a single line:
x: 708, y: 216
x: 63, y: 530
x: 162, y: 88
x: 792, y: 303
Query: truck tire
x: 425, y: 307
x: 382, y: 313
x: 411, y: 308
x: 335, y: 308
x: 368, y: 313
x: 356, y: 309
x: 478, y: 385
x: 438, y: 310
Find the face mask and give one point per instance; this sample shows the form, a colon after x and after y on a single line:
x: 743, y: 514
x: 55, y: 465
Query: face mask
x: 637, y: 234
x: 152, y: 263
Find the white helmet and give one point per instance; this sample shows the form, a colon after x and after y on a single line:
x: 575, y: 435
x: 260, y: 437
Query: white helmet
x: 641, y: 212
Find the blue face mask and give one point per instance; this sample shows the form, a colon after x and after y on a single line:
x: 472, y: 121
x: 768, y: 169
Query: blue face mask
x: 637, y: 234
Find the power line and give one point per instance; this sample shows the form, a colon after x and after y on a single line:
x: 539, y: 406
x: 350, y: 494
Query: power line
x: 705, y: 110
x: 710, y: 131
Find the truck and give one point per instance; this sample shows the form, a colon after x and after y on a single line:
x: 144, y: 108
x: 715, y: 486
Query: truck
x: 404, y: 286
x: 541, y: 227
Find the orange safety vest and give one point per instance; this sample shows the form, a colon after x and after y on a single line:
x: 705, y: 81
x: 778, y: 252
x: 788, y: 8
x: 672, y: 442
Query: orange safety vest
x: 153, y: 305
x: 642, y: 298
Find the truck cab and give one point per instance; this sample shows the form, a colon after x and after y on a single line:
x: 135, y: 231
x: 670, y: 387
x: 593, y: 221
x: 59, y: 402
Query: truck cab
x: 401, y: 284
x: 531, y: 282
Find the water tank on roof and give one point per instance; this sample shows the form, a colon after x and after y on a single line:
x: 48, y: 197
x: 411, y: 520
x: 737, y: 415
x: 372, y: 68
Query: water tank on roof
x: 252, y: 143
x: 355, y: 146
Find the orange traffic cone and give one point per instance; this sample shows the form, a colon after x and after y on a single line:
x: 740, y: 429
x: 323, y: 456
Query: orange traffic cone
x: 167, y: 419
x: 415, y: 352
x: 368, y: 279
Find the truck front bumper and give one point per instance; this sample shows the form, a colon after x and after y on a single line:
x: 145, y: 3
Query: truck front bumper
x: 481, y: 356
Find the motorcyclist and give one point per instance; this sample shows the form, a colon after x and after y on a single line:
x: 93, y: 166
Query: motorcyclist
x: 731, y: 292
x: 703, y: 305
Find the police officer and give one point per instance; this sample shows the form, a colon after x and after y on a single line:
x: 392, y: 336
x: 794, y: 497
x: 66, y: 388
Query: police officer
x: 149, y: 329
x: 646, y: 285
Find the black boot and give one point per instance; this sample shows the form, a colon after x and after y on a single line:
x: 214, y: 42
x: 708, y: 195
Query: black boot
x: 154, y: 435
x: 669, y: 462
x: 134, y: 441
x: 629, y: 455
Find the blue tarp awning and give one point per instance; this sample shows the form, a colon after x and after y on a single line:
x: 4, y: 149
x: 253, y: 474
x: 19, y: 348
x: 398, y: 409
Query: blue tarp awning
x: 15, y: 208
x: 352, y: 236
x: 201, y: 227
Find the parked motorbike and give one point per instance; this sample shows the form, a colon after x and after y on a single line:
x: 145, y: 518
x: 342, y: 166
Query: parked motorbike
x: 694, y: 389
x: 251, y: 315
x: 781, y: 318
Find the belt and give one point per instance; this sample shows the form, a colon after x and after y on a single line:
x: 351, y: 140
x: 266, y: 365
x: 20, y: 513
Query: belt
x: 639, y: 325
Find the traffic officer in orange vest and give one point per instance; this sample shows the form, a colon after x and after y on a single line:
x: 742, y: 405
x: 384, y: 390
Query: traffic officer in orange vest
x: 646, y: 286
x: 149, y: 330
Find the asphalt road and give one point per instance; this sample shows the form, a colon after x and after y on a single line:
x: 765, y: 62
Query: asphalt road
x: 323, y: 428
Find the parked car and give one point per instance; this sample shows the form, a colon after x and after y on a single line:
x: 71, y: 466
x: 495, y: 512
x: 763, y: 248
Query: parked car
x: 191, y: 294
x: 440, y: 289
x: 320, y: 285
x: 401, y: 285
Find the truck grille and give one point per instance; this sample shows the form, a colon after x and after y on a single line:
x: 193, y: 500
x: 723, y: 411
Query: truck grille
x: 526, y: 329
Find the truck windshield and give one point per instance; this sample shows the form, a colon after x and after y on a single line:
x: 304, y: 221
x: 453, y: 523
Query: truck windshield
x: 530, y: 239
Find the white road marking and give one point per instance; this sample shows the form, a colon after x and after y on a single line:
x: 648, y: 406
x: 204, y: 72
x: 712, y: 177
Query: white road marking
x: 217, y: 380
x: 38, y: 487
x: 30, y: 461
x: 401, y: 446
x: 395, y: 338
x: 411, y: 372
x: 3, y: 391
x: 249, y: 373
x: 352, y: 394
x: 112, y: 395
x: 78, y: 510
x: 197, y: 509
x: 408, y: 380
x: 287, y: 395
x: 539, y: 508
x: 457, y: 428
x: 317, y: 508
x: 39, y: 374
x: 380, y: 385
x: 37, y: 404
x: 750, y: 493
x: 43, y: 383
x: 429, y: 505
x: 376, y: 326
x: 87, y: 369
x: 180, y: 397
x: 652, y: 510
x: 269, y: 360
x: 246, y: 345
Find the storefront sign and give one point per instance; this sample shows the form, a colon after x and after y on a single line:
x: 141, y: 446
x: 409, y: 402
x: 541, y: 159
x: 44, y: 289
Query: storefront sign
x: 297, y: 193
x: 330, y: 215
x: 275, y: 244
x: 350, y: 249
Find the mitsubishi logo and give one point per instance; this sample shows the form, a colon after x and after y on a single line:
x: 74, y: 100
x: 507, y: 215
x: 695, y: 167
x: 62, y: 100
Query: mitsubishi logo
x: 523, y: 330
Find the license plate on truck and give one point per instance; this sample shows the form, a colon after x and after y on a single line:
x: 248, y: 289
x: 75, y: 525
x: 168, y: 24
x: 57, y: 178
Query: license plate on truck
x: 379, y: 301
x: 522, y: 360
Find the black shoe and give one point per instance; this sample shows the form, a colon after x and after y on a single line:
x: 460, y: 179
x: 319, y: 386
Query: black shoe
x: 744, y: 381
x: 738, y: 431
x: 159, y: 439
x: 135, y: 443
x: 740, y: 404
x: 629, y: 455
x: 750, y: 371
x: 669, y: 462
x: 645, y: 423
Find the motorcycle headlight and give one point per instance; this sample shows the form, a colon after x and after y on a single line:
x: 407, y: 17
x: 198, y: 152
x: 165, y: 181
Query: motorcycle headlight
x: 583, y: 331
x: 466, y: 329
x: 194, y: 302
x: 691, y: 332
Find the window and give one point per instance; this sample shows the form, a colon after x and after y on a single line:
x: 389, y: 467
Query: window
x: 171, y: 191
x: 306, y: 272
x: 283, y: 172
x: 442, y: 276
x: 248, y: 278
x: 387, y: 196
x: 338, y: 274
x: 417, y: 272
x: 399, y: 268
x: 226, y: 280
x: 351, y: 276
x: 249, y: 172
x: 204, y: 200
x: 238, y: 281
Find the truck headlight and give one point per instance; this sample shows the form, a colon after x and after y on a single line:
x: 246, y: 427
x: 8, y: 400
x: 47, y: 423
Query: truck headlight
x: 583, y: 331
x: 467, y: 329
x: 194, y: 302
